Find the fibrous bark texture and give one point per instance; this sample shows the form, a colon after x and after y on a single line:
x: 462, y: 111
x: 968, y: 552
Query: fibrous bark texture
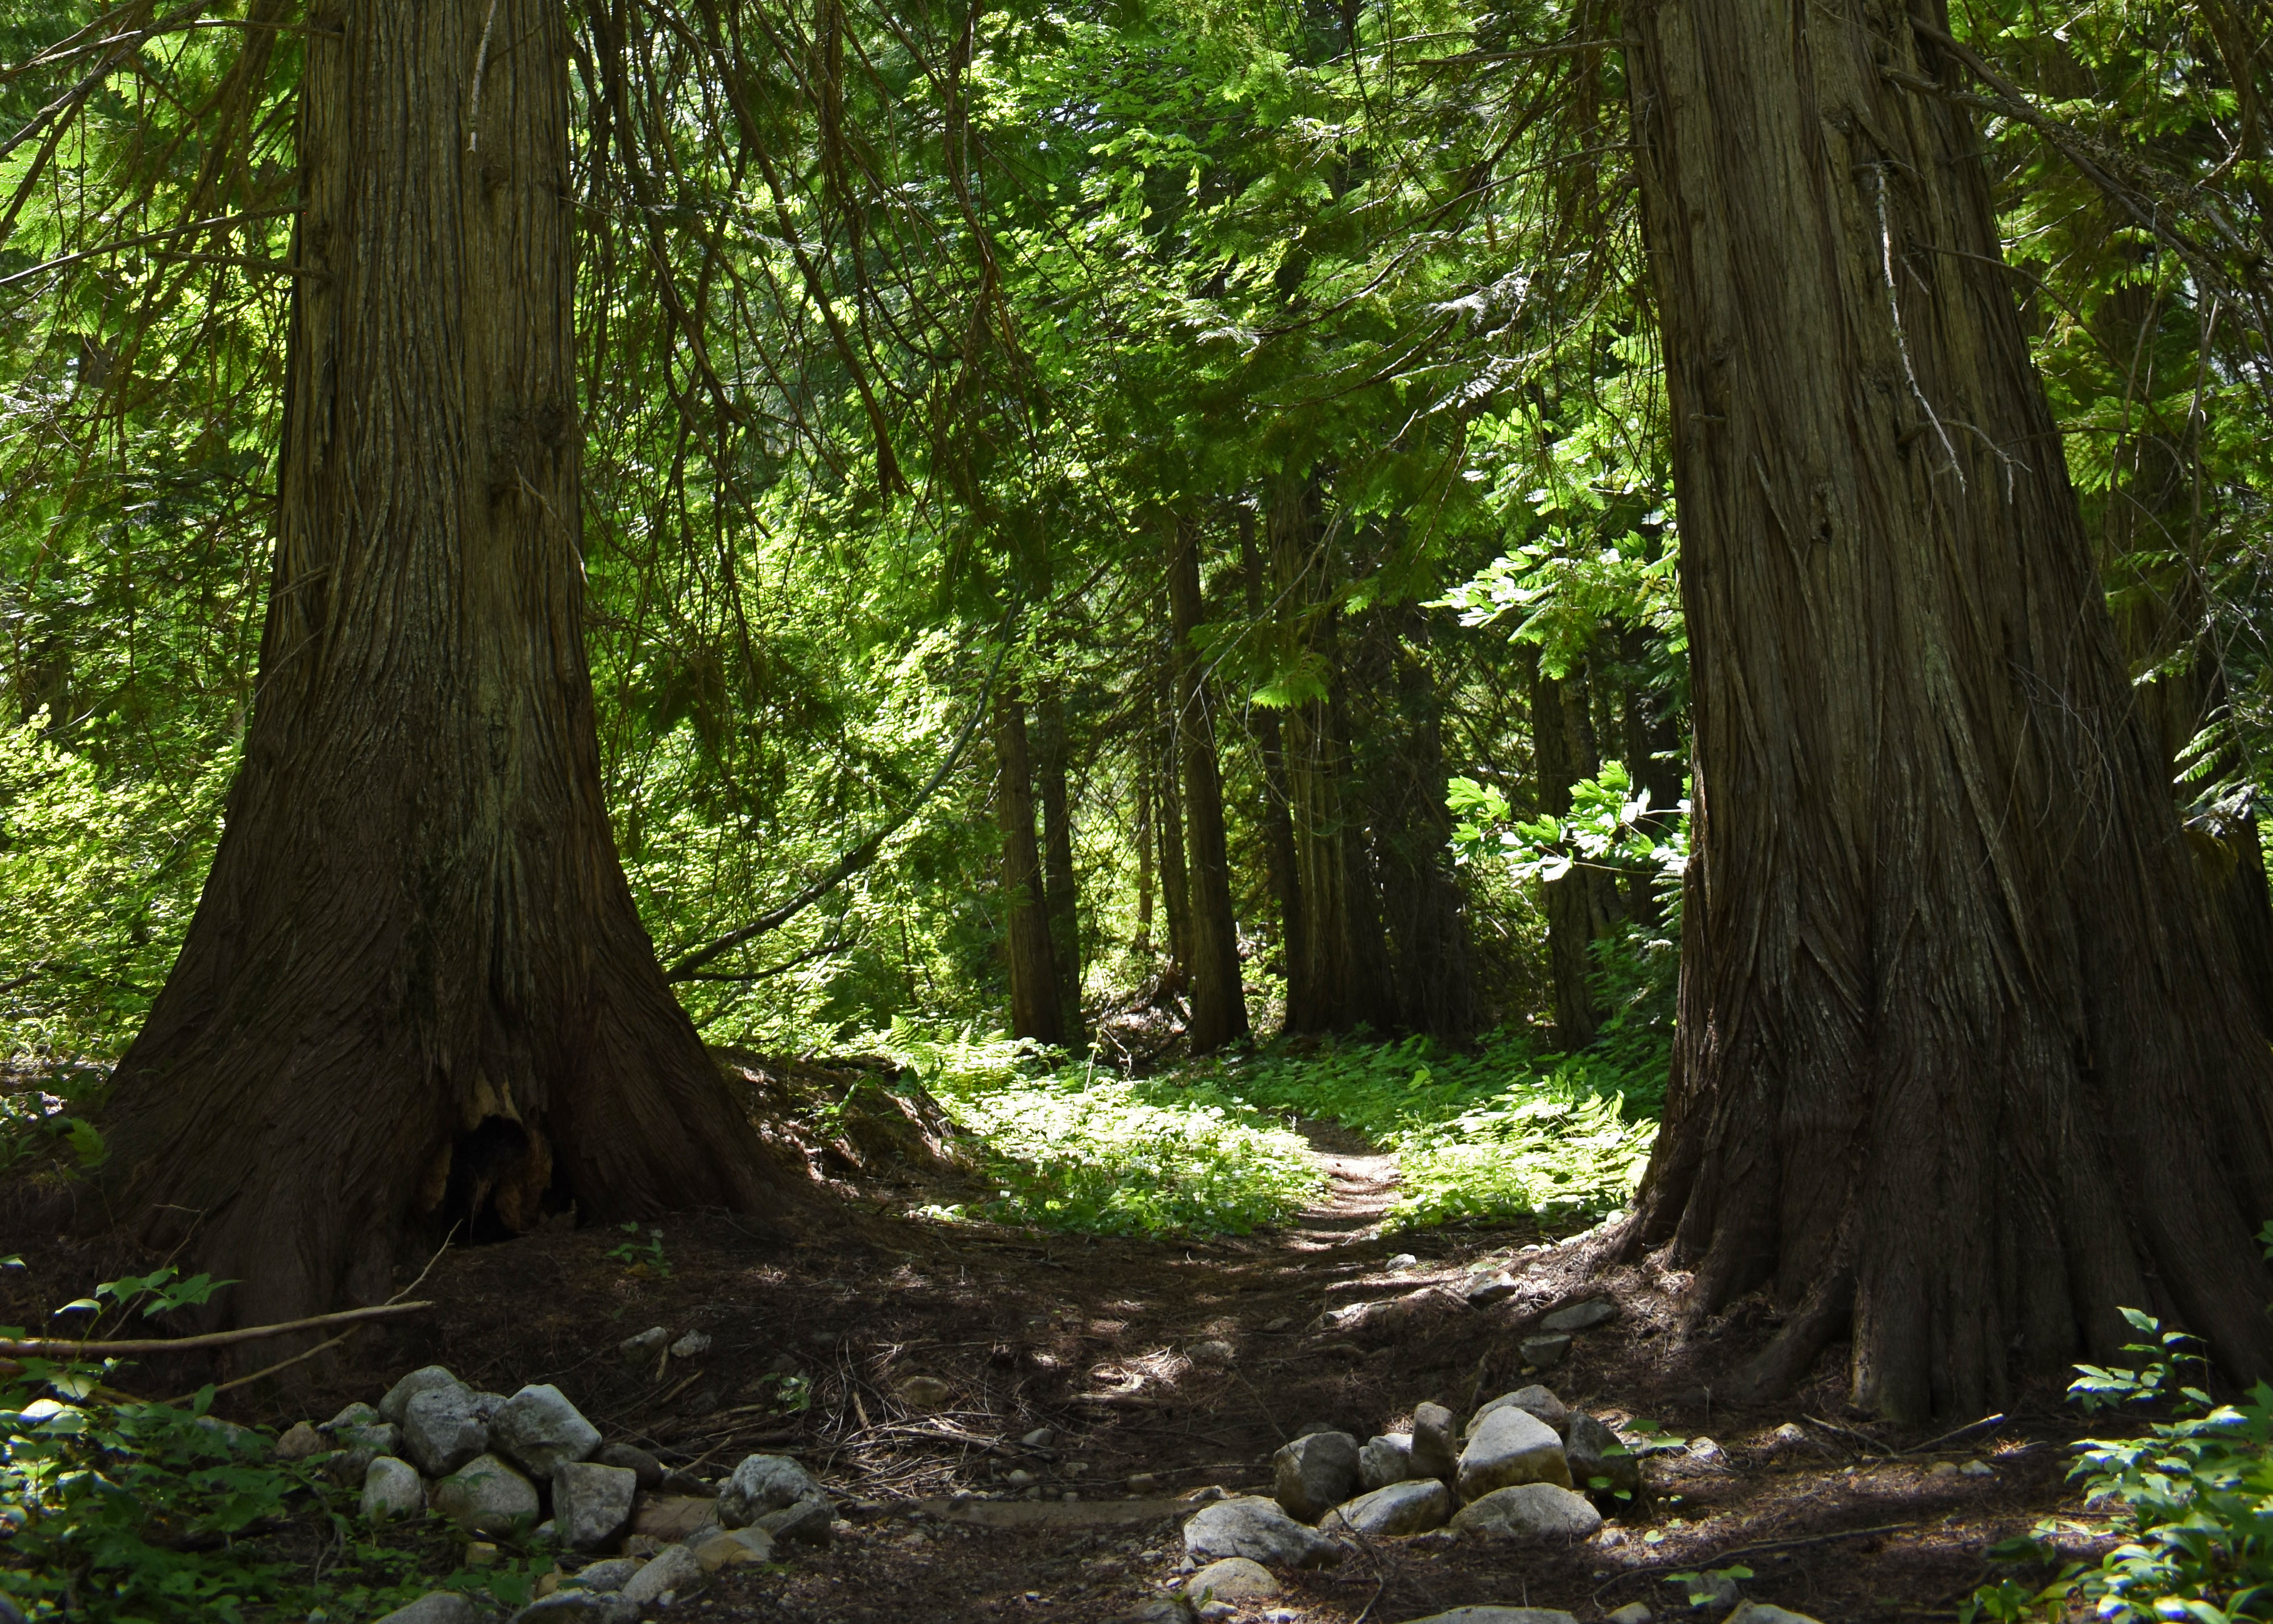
x: 1218, y: 1001
x: 1964, y: 1064
x: 416, y: 988
x: 1033, y: 969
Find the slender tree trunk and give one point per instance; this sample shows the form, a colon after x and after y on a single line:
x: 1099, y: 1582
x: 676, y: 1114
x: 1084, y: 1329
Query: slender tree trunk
x: 1963, y: 1064
x: 1218, y: 1001
x: 1652, y: 750
x: 1421, y: 904
x: 1144, y: 854
x: 1059, y: 896
x: 1278, y: 824
x: 1562, y: 753
x: 1167, y: 811
x: 1033, y: 972
x: 416, y: 992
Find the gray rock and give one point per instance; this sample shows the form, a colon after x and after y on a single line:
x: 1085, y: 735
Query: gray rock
x: 391, y: 1488
x: 611, y: 1574
x: 738, y: 1548
x: 1410, y: 1507
x: 1600, y: 1463
x: 646, y: 1345
x: 1258, y: 1530
x: 300, y: 1440
x: 442, y: 1430
x: 1385, y: 1460
x: 592, y: 1503
x: 486, y: 1496
x: 1530, y: 1511
x: 1545, y: 1352
x: 584, y: 1606
x: 1720, y: 1591
x: 674, y: 1571
x: 693, y: 1345
x: 1314, y: 1474
x: 1632, y: 1613
x: 1165, y: 1610
x: 1041, y: 1437
x: 807, y: 1520
x: 924, y: 1393
x: 761, y: 1484
x: 439, y: 1608
x: 355, y: 1416
x: 1580, y: 1316
x: 1485, y: 1290
x: 1499, y: 1615
x: 1434, y: 1454
x: 1534, y: 1399
x: 399, y: 1397
x: 632, y: 1459
x: 1761, y: 1613
x: 1235, y: 1578
x: 1309, y: 1427
x: 539, y: 1427
x: 1512, y: 1445
x: 1213, y: 1352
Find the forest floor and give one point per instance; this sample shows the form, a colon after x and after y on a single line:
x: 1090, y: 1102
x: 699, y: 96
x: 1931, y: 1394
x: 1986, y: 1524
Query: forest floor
x: 1101, y: 1341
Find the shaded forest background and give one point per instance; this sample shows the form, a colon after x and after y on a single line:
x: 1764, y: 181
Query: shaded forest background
x: 1024, y: 416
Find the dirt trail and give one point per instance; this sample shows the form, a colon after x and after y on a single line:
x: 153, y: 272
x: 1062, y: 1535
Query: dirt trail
x: 1362, y: 1181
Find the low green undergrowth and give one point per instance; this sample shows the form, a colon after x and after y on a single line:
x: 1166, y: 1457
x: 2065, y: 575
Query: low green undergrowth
x: 1501, y: 1130
x: 120, y: 1511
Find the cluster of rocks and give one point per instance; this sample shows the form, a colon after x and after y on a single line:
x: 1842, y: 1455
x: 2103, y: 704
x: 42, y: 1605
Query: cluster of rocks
x: 531, y: 1466
x: 1525, y: 1467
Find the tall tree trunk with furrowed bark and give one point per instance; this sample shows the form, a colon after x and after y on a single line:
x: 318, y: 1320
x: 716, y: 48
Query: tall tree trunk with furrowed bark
x: 415, y: 992
x: 1964, y: 1063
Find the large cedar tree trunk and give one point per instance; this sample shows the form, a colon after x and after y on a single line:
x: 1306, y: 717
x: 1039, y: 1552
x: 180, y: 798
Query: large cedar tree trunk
x: 416, y: 991
x: 1027, y: 936
x: 1218, y: 1002
x: 1964, y: 1065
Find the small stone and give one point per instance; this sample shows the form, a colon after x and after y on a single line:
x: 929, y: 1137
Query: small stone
x: 399, y: 1397
x: 924, y: 1393
x: 1216, y: 1613
x: 1720, y: 1592
x: 632, y: 1459
x: 539, y: 1427
x: 675, y: 1516
x: 442, y: 1430
x: 1402, y: 1261
x: 693, y: 1345
x: 1485, y: 1290
x: 355, y: 1416
x: 1019, y: 1477
x: 1942, y: 1469
x: 1167, y: 1610
x: 592, y: 1503
x: 1512, y: 1445
x: 1529, y: 1511
x: 741, y: 1548
x: 1213, y: 1352
x: 1545, y: 1352
x: 300, y: 1441
x: 1283, y: 1322
x: 1309, y: 1427
x: 1234, y: 1579
x: 1207, y: 1494
x: 1580, y: 1316
x: 1435, y: 1455
x: 584, y: 1606
x: 545, y: 1532
x: 1704, y: 1451
x: 392, y: 1488
x: 1259, y: 1530
x: 1143, y: 1483
x: 1534, y: 1399
x: 1385, y: 1460
x: 1977, y: 1469
x: 441, y: 1608
x: 607, y: 1577
x: 646, y: 1345
x: 481, y: 1553
x: 1499, y: 1615
x: 1409, y: 1507
x: 811, y: 1520
x: 1761, y: 1613
x: 763, y: 1483
x: 1314, y: 1474
x: 1789, y: 1436
x: 1632, y: 1613
x: 486, y: 1496
x: 1600, y: 1461
x: 1041, y: 1437
x: 672, y: 1571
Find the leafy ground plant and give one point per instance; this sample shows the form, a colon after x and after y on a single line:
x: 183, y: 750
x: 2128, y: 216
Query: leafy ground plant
x: 121, y: 1510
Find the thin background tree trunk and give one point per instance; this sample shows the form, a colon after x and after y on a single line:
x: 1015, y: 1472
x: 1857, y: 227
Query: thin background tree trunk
x: 1167, y: 814
x: 1277, y: 824
x: 1033, y: 971
x: 1061, y: 897
x: 1964, y: 1065
x: 1218, y: 1002
x: 415, y: 992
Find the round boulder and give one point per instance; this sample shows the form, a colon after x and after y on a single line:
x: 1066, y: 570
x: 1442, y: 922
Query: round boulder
x: 1314, y: 1474
x: 1259, y: 1530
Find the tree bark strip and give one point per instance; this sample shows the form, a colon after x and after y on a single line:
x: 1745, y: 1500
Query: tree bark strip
x: 1218, y: 1002
x: 416, y: 991
x: 1963, y: 1065
x: 1033, y: 970
x: 1061, y: 897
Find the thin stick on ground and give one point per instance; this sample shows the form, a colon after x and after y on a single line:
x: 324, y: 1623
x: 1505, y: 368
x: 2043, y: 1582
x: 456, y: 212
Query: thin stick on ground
x: 42, y: 1346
